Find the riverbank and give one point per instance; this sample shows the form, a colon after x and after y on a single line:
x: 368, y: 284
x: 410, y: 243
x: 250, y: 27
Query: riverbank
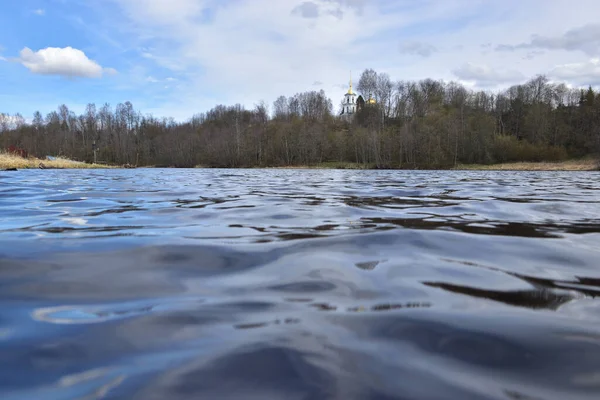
x: 10, y: 161
x: 570, y: 165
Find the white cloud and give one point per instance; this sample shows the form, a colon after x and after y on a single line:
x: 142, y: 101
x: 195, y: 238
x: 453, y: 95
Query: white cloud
x: 308, y: 9
x: 252, y: 50
x: 257, y: 50
x: 67, y: 62
x: 356, y: 5
x: 152, y: 79
x: 110, y: 71
x: 165, y: 62
x: 164, y: 12
x: 584, y: 38
x: 533, y: 54
x: 418, y: 48
x: 336, y: 8
x: 484, y: 75
x: 40, y: 12
x: 582, y: 74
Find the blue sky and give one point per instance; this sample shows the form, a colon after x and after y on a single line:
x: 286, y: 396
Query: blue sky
x: 178, y: 57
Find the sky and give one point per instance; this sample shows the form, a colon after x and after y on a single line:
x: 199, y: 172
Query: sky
x: 175, y: 58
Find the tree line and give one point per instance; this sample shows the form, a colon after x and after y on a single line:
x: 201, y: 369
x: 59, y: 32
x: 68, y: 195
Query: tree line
x: 421, y: 124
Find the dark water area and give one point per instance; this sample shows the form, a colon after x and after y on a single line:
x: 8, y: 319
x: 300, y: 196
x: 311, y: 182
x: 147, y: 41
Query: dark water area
x: 299, y: 284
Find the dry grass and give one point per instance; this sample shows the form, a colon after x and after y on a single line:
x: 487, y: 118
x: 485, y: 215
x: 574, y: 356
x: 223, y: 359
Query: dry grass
x: 587, y: 164
x: 571, y: 165
x: 9, y: 161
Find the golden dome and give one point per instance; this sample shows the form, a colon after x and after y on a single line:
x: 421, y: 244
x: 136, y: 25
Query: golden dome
x: 371, y: 101
x: 350, y: 89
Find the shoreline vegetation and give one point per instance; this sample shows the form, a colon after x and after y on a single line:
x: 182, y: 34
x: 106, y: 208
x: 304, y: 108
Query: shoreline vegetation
x: 427, y: 124
x: 11, y: 162
x: 568, y: 165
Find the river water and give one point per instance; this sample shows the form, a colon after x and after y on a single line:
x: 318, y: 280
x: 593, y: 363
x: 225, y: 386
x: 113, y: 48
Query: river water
x: 299, y: 284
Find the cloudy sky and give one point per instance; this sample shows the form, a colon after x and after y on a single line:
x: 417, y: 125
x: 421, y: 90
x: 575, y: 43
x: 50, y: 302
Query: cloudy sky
x: 178, y: 57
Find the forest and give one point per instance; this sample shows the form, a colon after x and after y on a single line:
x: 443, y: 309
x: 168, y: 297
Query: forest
x: 423, y: 124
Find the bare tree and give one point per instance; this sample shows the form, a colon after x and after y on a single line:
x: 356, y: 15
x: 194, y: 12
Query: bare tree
x: 427, y: 123
x: 367, y: 84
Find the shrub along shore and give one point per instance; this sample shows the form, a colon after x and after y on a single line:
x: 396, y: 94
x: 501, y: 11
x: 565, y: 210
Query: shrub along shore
x: 570, y: 165
x: 11, y: 162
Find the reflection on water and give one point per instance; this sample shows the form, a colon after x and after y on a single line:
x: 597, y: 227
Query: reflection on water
x: 299, y: 284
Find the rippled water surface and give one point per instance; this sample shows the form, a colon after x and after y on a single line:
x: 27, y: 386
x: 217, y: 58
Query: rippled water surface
x: 299, y: 284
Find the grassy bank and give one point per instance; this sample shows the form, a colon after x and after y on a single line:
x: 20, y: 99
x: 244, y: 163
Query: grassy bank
x: 570, y: 165
x: 10, y: 161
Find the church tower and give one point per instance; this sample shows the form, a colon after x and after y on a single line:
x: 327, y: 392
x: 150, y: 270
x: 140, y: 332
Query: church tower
x: 349, y: 102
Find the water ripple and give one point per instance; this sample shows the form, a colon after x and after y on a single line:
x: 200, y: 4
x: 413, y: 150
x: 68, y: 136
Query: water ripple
x: 153, y: 284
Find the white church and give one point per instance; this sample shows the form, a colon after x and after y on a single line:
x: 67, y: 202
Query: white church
x: 353, y: 102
